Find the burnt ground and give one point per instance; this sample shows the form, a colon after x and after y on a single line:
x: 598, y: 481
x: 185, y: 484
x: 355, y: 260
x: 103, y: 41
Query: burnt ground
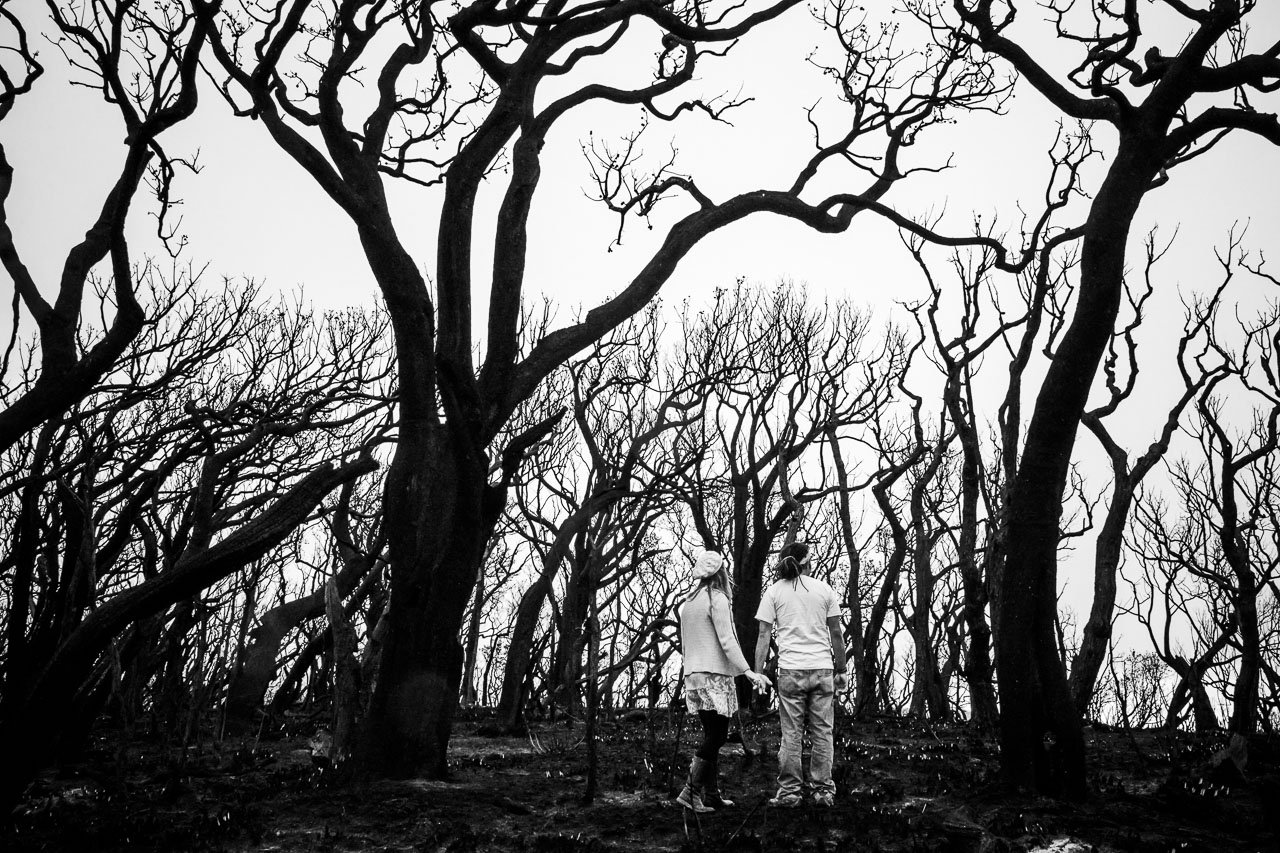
x: 903, y: 787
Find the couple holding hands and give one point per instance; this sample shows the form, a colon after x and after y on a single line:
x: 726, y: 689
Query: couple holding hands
x: 803, y: 614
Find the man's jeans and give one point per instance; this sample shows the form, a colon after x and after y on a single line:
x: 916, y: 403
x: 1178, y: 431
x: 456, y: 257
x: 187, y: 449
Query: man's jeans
x: 806, y: 696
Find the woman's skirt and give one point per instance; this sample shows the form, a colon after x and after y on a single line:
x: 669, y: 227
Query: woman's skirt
x: 710, y: 691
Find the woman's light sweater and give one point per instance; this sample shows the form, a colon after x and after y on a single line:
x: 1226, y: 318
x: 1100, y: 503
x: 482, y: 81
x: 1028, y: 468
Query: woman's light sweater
x: 707, y: 637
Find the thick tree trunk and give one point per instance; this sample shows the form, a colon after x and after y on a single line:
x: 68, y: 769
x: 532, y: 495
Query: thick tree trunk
x: 437, y: 525
x: 1042, y: 743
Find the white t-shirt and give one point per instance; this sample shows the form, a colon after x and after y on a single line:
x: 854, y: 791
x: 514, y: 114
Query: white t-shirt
x: 798, y: 610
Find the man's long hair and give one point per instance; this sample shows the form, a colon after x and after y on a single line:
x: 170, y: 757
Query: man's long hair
x: 790, y: 557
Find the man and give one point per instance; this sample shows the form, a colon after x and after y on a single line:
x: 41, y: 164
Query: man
x: 804, y: 612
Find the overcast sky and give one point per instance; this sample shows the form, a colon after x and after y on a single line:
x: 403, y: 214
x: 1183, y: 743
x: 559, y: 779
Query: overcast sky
x: 252, y: 212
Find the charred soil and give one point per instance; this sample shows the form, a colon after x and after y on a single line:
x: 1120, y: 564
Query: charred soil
x: 903, y: 786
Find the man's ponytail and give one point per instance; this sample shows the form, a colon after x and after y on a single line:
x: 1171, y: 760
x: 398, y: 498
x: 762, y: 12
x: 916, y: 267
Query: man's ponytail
x: 790, y: 559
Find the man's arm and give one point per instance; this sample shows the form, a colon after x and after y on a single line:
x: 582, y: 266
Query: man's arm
x: 762, y: 643
x: 837, y: 643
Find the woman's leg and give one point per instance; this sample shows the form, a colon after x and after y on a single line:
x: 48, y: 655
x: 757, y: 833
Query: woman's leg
x: 715, y: 731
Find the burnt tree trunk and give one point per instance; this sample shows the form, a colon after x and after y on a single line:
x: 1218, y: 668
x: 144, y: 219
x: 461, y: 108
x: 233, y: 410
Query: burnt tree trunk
x: 1106, y: 563
x: 853, y: 589
x: 978, y: 670
x: 1042, y: 743
x: 520, y: 648
x: 346, y: 676
x: 437, y: 527
x: 867, y: 698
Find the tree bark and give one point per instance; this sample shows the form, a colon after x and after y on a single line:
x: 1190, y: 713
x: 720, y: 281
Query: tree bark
x: 346, y: 676
x: 473, y: 643
x: 437, y: 525
x: 1042, y: 743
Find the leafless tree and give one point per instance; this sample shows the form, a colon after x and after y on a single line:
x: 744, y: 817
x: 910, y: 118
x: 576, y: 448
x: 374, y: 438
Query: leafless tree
x: 144, y: 60
x: 1227, y: 533
x: 802, y: 373
x: 219, y: 433
x: 454, y: 93
x: 1201, y: 366
x: 628, y: 410
x: 1166, y: 110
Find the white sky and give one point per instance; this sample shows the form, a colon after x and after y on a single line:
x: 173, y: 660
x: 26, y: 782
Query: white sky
x: 252, y: 212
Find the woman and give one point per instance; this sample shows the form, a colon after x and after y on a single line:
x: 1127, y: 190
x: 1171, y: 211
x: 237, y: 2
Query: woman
x: 712, y: 657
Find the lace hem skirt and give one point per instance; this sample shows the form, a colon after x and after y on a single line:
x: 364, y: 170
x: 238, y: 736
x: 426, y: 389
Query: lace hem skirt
x: 710, y: 691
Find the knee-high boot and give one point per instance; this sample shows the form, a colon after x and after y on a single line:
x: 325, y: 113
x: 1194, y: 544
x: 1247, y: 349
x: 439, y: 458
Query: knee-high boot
x: 691, y: 796
x: 711, y: 787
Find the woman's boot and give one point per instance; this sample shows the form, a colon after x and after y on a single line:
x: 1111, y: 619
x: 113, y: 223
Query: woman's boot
x: 691, y: 796
x: 711, y: 787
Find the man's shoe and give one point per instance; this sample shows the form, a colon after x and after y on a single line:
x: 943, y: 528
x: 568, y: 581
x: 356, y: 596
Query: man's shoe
x: 824, y: 800
x: 786, y: 801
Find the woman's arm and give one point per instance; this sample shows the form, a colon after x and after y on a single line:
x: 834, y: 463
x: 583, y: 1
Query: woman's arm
x: 722, y: 619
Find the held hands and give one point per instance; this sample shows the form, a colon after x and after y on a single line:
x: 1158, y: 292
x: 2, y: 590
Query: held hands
x: 758, y: 681
x: 842, y: 682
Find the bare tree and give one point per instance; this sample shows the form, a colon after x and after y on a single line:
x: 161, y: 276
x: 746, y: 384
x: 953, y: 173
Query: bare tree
x: 801, y: 372
x: 157, y: 486
x: 964, y: 322
x: 1201, y: 366
x: 1228, y: 536
x: 143, y: 59
x: 458, y: 92
x: 627, y: 406
x: 1166, y: 110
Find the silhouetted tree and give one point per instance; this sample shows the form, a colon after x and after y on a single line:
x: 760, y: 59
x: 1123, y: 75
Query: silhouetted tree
x: 1164, y: 110
x: 459, y: 93
x: 144, y: 59
x: 1201, y: 367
